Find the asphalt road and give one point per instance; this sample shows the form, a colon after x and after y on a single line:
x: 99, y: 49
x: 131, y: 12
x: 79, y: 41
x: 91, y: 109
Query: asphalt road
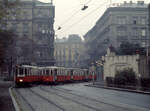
x: 5, y: 99
x: 78, y: 97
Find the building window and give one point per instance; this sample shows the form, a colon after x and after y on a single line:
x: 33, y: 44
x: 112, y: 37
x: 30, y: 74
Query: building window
x: 25, y: 14
x: 25, y: 28
x: 14, y: 26
x: 39, y: 14
x: 122, y: 38
x: 135, y: 32
x: 143, y: 20
x: 143, y: 32
x: 121, y: 31
x: 135, y: 20
x: 121, y: 20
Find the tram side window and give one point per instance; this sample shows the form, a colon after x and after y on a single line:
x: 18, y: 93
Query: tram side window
x: 29, y: 73
x: 58, y: 72
x: 26, y: 71
x: 71, y: 72
x: 51, y: 72
x: 68, y: 72
x: 39, y: 72
x: 55, y: 72
x: 87, y: 73
x: 43, y: 72
x: 47, y: 72
x: 84, y: 73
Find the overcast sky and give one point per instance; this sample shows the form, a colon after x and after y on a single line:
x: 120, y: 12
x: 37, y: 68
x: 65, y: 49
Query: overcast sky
x: 73, y: 20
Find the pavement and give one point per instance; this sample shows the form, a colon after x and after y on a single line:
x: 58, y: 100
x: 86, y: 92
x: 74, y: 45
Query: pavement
x: 6, y: 103
x: 98, y: 85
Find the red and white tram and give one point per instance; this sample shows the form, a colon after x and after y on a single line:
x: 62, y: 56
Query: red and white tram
x: 26, y: 74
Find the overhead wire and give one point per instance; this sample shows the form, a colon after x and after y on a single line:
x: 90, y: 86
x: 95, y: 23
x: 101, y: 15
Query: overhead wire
x: 88, y: 2
x: 69, y: 18
x: 84, y: 17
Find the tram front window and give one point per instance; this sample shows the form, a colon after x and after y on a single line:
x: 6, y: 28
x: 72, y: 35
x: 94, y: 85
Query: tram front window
x: 20, y: 71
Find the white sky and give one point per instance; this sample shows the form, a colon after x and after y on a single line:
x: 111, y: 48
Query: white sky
x: 69, y: 16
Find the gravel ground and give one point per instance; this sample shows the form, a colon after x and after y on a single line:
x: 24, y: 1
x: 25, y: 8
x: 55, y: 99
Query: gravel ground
x: 5, y: 99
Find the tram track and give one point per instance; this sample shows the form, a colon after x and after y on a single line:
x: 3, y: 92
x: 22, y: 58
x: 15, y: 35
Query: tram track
x: 123, y: 107
x: 40, y: 96
x: 49, y: 101
x: 70, y: 99
x: 50, y: 95
x: 75, y: 101
x: 25, y: 100
x: 91, y: 99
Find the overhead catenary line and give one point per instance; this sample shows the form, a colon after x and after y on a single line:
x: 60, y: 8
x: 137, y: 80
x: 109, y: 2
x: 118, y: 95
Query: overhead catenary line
x: 88, y: 2
x: 66, y: 21
x: 84, y: 17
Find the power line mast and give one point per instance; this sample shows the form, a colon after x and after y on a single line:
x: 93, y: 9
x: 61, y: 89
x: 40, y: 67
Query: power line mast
x: 32, y: 58
x: 149, y: 17
x: 148, y: 36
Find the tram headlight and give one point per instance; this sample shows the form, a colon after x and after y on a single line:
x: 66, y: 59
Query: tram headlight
x: 20, y: 80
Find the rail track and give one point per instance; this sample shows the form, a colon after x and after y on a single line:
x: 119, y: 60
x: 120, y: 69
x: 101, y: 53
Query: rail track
x: 25, y: 100
x: 91, y: 99
x: 66, y: 91
x: 85, y: 102
x: 67, y: 98
x: 40, y: 96
x: 49, y: 101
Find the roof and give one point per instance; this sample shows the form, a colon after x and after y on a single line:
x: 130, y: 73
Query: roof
x: 38, y: 3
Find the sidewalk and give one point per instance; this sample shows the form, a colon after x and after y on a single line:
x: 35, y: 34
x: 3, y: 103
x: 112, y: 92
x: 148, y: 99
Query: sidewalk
x: 114, y: 88
x: 5, y: 99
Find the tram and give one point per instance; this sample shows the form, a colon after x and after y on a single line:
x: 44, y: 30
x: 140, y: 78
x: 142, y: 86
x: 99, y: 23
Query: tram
x: 26, y: 74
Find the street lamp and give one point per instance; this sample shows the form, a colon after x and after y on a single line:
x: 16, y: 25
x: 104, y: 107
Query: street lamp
x: 139, y: 81
x: 93, y: 69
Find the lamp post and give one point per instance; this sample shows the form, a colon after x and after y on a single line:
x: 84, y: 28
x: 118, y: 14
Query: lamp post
x: 148, y: 37
x: 139, y: 81
x: 100, y: 64
x: 93, y: 72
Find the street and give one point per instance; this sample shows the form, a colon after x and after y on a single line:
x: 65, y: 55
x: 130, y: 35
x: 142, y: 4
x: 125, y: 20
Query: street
x: 77, y: 97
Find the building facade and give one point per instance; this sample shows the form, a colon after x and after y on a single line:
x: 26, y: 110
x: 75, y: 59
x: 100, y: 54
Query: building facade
x: 33, y: 21
x: 127, y: 22
x: 68, y: 51
x: 113, y: 63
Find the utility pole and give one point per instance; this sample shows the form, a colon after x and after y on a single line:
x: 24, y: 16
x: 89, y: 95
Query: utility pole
x: 148, y: 36
x: 149, y: 18
x: 32, y: 58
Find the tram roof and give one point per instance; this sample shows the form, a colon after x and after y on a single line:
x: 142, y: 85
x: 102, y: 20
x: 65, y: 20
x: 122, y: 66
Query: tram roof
x: 28, y: 66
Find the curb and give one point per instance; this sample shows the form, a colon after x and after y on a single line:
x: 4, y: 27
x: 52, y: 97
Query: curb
x: 119, y: 89
x: 14, y: 100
